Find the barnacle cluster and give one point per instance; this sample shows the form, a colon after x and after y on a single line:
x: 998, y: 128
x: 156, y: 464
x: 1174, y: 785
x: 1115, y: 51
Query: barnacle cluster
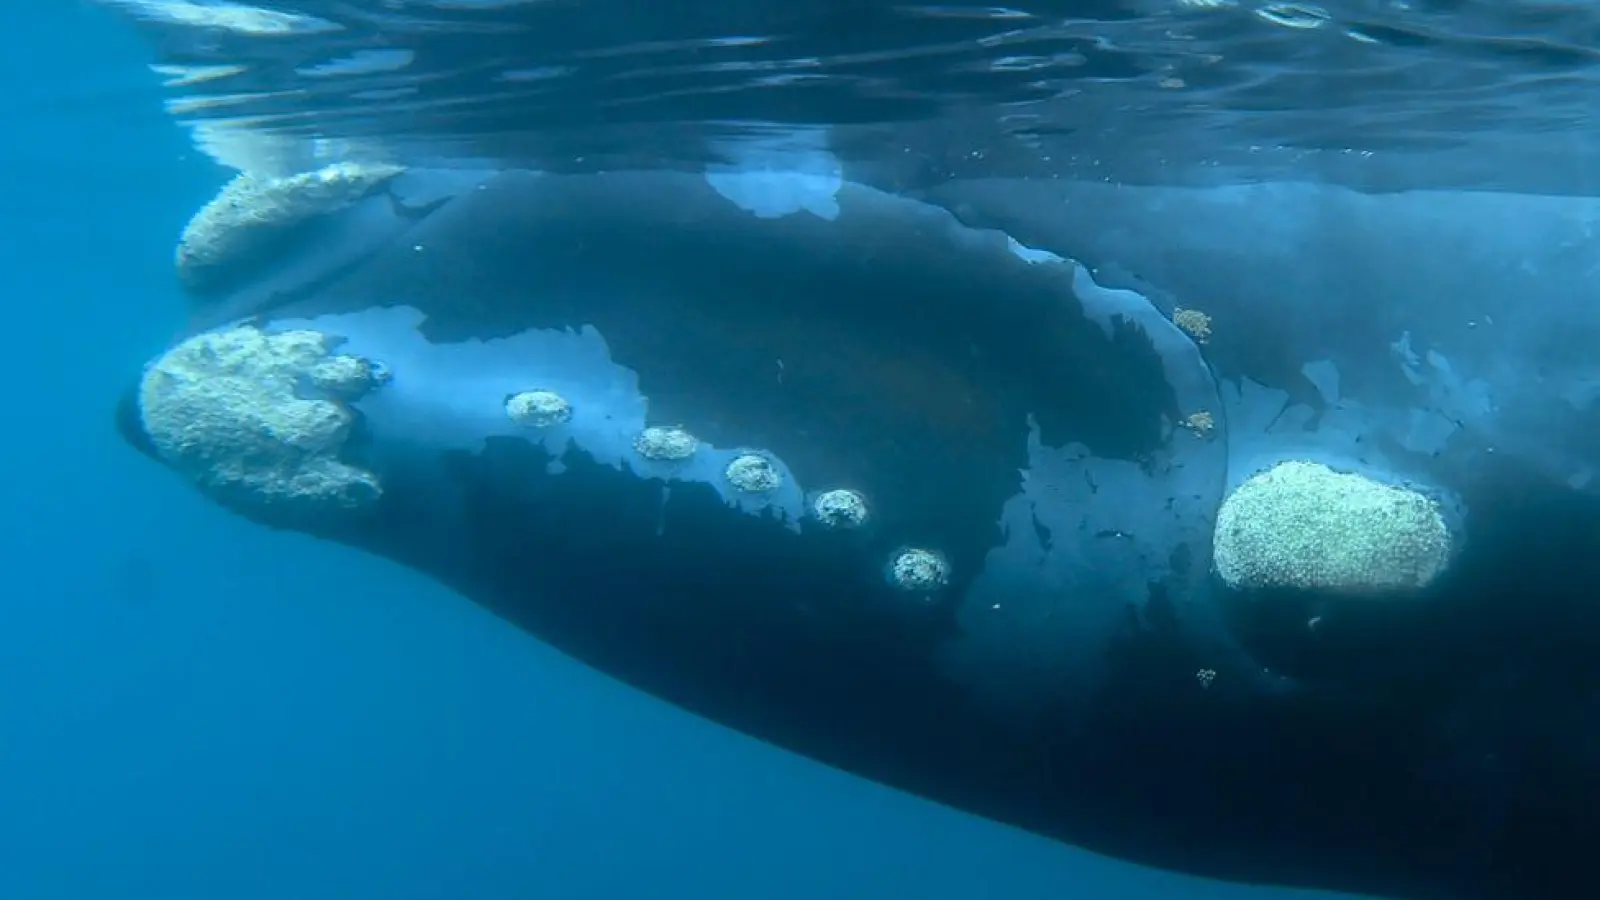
x: 253, y: 212
x: 261, y: 421
x: 1303, y: 525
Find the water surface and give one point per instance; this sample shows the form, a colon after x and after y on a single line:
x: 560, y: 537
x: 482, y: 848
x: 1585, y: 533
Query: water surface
x: 1379, y: 94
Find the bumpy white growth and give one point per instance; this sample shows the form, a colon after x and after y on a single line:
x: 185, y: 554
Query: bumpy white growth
x: 1304, y: 525
x: 753, y: 473
x: 919, y: 570
x: 538, y: 409
x: 840, y: 508
x: 258, y: 420
x: 666, y: 443
x: 252, y: 211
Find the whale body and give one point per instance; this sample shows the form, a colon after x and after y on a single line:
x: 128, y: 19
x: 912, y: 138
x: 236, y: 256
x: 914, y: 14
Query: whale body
x: 1044, y: 533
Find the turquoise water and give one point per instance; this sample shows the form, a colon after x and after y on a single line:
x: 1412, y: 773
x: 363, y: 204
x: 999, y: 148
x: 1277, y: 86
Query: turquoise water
x: 196, y: 706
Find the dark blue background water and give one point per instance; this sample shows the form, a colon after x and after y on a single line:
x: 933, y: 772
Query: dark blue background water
x: 194, y: 707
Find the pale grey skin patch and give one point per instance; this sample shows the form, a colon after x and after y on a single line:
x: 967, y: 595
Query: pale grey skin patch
x: 453, y: 397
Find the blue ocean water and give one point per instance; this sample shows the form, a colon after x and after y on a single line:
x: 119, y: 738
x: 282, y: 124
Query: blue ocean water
x: 195, y: 707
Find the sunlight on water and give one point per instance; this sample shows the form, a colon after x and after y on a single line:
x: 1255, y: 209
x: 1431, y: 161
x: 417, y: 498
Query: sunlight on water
x: 1494, y: 94
x: 1166, y: 426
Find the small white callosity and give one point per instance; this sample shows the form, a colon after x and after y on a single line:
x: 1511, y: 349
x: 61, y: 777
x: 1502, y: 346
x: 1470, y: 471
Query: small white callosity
x: 842, y: 508
x: 666, y: 443
x: 753, y: 473
x: 538, y: 409
x: 919, y: 570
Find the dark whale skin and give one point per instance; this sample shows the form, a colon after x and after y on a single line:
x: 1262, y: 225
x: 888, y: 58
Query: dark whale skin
x: 1077, y: 671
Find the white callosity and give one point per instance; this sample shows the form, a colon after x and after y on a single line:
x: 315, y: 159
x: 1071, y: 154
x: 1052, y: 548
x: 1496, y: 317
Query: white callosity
x: 253, y: 211
x: 259, y: 420
x: 841, y: 508
x: 538, y: 409
x: 1305, y: 526
x: 753, y: 473
x: 666, y: 443
x: 919, y: 570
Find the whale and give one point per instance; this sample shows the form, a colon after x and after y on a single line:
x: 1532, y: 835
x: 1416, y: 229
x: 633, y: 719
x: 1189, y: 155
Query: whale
x: 1034, y: 521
